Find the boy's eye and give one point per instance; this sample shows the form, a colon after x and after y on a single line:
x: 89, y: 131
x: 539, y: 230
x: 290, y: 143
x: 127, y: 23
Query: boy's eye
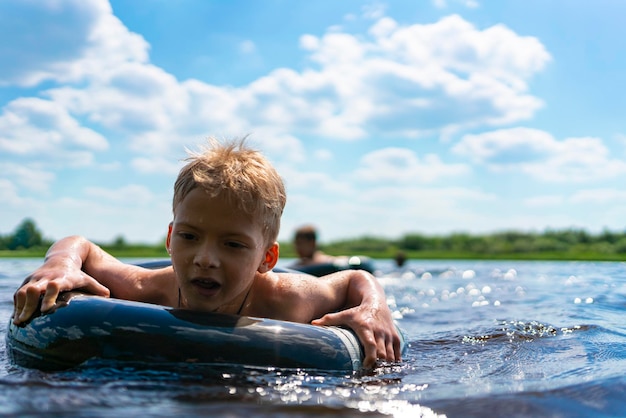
x: 186, y: 235
x: 234, y: 244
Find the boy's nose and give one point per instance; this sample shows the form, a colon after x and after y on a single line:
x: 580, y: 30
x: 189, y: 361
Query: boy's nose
x: 206, y: 257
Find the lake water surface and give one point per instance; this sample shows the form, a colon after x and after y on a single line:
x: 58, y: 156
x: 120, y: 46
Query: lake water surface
x: 486, y: 339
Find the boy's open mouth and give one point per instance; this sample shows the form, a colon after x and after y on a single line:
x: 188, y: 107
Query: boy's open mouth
x: 206, y: 287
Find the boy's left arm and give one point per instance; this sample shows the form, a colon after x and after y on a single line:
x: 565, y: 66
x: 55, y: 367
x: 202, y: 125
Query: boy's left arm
x: 364, y: 309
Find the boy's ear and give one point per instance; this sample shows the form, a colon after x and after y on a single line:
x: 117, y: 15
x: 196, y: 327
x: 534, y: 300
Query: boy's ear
x: 271, y: 258
x: 168, y: 240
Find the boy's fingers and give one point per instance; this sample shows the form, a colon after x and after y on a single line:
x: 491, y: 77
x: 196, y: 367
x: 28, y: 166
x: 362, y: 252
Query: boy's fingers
x: 369, y: 362
x: 391, y: 348
x: 383, y: 349
x: 397, y: 349
x: 384, y: 346
x: 387, y: 353
x: 370, y: 348
x: 95, y: 288
x: 26, y: 304
x: 49, y: 297
x: 378, y: 342
x: 327, y: 320
x: 26, y: 299
x: 392, y: 353
x: 17, y: 307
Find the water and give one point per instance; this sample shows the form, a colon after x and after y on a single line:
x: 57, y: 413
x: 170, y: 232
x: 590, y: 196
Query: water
x: 487, y: 338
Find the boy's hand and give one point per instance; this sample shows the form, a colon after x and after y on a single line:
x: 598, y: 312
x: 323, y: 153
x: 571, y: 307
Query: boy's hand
x: 49, y: 280
x: 374, y: 326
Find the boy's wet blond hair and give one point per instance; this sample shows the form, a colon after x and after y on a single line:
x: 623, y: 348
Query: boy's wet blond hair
x: 240, y: 174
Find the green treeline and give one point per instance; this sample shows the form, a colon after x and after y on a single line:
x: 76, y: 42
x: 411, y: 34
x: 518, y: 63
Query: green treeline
x: 28, y: 241
x: 566, y: 244
x: 26, y: 237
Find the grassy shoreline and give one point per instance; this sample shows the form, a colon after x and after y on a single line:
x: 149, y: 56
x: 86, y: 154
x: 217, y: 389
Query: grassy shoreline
x: 152, y: 252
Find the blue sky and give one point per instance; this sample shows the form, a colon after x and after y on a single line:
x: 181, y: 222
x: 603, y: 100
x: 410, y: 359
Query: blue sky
x: 384, y: 118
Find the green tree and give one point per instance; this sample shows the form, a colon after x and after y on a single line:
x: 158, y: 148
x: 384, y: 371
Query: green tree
x: 26, y: 236
x: 4, y: 242
x: 414, y: 242
x: 119, y: 242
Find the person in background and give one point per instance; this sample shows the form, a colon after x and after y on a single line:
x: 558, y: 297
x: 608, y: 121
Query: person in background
x: 400, y: 269
x: 400, y: 259
x: 305, y: 243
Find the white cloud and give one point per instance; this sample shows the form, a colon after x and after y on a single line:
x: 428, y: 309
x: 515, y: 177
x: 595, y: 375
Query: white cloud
x: 427, y: 197
x: 374, y: 10
x: 402, y: 81
x: 544, y: 201
x: 442, y: 4
x: 132, y: 98
x: 66, y: 41
x: 247, y: 47
x: 285, y: 149
x: 600, y: 196
x: 621, y: 140
x: 506, y: 146
x: 8, y: 191
x: 300, y: 182
x: 309, y: 42
x: 156, y: 165
x: 538, y: 154
x: 27, y: 177
x: 324, y: 155
x: 406, y: 76
x: 127, y: 195
x: 41, y: 127
x: 403, y: 166
x: 104, y: 215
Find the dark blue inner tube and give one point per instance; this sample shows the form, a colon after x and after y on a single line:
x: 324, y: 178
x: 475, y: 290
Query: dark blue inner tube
x: 355, y: 262
x: 84, y: 328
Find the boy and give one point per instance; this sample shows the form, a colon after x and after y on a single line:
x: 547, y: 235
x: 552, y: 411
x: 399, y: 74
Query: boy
x: 228, y: 201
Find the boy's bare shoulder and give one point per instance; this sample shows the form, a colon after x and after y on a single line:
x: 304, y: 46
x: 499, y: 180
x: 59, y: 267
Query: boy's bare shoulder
x: 282, y: 296
x: 278, y: 285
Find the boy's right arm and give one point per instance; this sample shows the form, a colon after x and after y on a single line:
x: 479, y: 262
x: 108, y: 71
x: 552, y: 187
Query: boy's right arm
x: 76, y: 263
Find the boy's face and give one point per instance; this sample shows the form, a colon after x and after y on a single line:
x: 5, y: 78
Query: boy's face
x: 216, y: 251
